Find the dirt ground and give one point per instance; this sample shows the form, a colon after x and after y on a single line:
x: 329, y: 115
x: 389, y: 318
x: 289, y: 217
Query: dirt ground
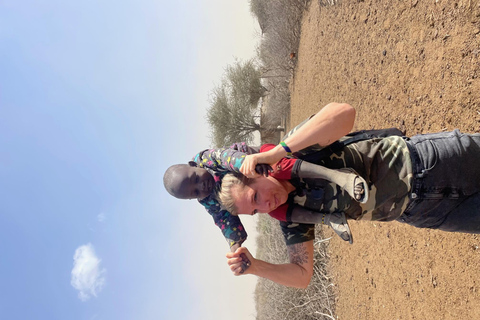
x: 414, y: 65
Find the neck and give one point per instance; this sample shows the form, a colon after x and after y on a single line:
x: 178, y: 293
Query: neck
x: 287, y: 185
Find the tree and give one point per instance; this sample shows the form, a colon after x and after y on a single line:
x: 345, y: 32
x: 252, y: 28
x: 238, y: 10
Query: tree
x: 234, y: 113
x: 259, y: 9
x: 244, y: 81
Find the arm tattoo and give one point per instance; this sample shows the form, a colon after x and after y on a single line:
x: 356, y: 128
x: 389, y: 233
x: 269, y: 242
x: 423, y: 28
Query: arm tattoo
x: 298, y: 253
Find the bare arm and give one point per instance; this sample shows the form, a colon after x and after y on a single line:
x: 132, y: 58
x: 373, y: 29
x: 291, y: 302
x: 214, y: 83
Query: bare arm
x: 295, y: 274
x: 330, y: 124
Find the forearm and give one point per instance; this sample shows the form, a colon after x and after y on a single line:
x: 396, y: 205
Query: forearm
x: 290, y: 274
x: 229, y: 159
x: 331, y: 123
x: 295, y: 274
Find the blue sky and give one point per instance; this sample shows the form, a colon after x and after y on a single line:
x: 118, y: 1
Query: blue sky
x: 97, y: 99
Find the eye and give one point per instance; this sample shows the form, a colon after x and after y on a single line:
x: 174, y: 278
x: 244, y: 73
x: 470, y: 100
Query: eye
x: 255, y: 197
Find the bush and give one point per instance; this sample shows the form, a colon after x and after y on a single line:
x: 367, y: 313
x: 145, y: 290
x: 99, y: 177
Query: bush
x: 280, y: 23
x: 274, y: 301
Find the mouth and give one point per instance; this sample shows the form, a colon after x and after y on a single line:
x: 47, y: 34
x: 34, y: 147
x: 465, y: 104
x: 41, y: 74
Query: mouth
x: 208, y: 186
x: 211, y: 184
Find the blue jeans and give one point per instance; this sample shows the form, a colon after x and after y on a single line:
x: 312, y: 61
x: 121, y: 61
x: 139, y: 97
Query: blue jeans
x: 446, y: 187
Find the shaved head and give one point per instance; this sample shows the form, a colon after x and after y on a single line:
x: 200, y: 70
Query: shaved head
x: 186, y: 182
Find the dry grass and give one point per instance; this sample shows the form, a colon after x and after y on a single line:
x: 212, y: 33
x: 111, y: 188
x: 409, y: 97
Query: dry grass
x: 275, y: 301
x: 280, y: 21
x: 277, y: 55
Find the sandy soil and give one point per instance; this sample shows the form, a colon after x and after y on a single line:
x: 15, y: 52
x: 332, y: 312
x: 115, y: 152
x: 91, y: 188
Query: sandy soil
x: 414, y: 65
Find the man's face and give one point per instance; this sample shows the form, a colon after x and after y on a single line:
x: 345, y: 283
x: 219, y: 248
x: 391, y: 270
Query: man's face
x: 264, y: 195
x: 193, y: 183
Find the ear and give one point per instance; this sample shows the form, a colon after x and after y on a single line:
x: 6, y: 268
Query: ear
x: 192, y: 163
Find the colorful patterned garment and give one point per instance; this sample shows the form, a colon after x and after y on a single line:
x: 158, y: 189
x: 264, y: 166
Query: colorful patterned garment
x: 219, y: 162
x: 230, y: 225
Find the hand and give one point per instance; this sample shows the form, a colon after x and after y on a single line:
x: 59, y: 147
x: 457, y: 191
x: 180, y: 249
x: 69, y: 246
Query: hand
x: 245, y: 261
x: 263, y: 169
x: 249, y: 165
x: 235, y: 261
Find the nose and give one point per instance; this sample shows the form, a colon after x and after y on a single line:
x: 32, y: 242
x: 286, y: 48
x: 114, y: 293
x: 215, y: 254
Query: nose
x: 265, y: 206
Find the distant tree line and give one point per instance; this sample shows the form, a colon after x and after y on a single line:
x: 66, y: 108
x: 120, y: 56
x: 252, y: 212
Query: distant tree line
x: 254, y: 95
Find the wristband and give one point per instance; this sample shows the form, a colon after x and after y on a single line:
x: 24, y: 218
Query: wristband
x: 284, y: 145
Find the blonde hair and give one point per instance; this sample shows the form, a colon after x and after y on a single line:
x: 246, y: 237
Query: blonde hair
x: 225, y: 195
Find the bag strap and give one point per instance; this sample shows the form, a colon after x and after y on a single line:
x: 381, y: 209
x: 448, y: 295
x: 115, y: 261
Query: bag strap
x: 349, y: 139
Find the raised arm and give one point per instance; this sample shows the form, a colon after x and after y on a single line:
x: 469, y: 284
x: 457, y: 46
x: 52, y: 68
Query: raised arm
x: 224, y: 159
x: 218, y: 161
x: 295, y: 274
x: 330, y: 124
x: 230, y: 225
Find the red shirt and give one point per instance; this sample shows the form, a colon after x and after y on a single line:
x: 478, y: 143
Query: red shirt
x: 282, y: 170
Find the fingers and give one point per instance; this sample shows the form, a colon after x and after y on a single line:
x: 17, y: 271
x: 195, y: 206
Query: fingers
x: 230, y: 255
x: 236, y: 265
x: 237, y: 271
x: 251, y: 167
x: 263, y: 169
x: 250, y: 174
x: 248, y: 166
x: 259, y: 169
x: 239, y: 261
x: 241, y: 251
x: 234, y: 261
x: 359, y: 191
x: 246, y: 171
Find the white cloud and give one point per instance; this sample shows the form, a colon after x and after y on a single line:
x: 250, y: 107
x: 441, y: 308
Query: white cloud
x: 101, y: 217
x: 87, y: 276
